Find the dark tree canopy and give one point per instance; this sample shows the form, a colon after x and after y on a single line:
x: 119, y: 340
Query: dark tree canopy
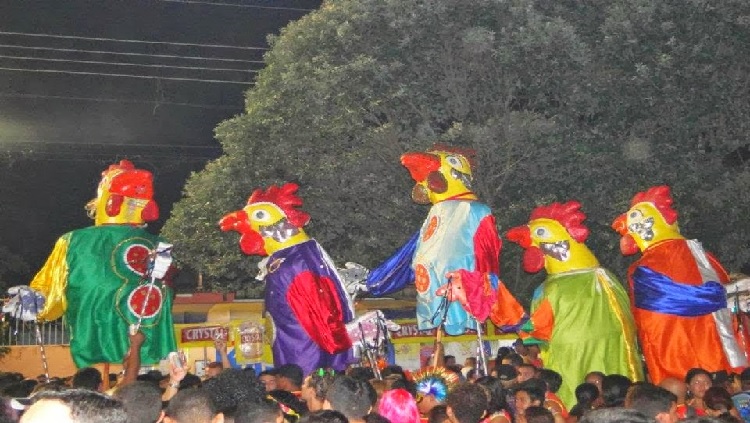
x: 562, y: 100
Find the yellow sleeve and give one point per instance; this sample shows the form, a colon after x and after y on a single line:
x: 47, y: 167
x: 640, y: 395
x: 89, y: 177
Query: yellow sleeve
x: 51, y: 281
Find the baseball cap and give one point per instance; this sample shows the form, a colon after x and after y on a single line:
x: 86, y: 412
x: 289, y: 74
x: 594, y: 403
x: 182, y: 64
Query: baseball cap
x: 506, y: 372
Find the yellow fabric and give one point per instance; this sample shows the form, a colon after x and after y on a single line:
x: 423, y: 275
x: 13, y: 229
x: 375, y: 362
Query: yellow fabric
x: 52, y: 280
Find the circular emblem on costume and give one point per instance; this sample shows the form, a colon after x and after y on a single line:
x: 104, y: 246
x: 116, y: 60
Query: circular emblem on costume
x: 431, y: 228
x: 136, y: 258
x: 145, y: 301
x: 421, y: 279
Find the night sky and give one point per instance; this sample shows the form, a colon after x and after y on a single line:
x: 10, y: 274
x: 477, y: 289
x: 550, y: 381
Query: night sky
x: 62, y: 121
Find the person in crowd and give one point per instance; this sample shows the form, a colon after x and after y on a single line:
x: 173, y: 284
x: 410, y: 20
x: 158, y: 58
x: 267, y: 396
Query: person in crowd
x: 536, y: 414
x: 614, y: 389
x: 142, y: 402
x: 470, y: 363
x: 432, y: 386
x: 325, y: 416
x: 291, y: 406
x: 315, y: 386
x: 596, y: 378
x: 533, y: 351
x: 467, y: 403
x: 289, y: 377
x: 266, y: 411
x: 615, y: 415
x: 88, y: 378
x: 268, y: 379
x: 553, y: 381
x: 741, y: 399
x: 397, y: 405
x: 349, y: 396
x: 719, y: 404
x: 513, y: 359
x: 587, y: 399
x: 192, y: 406
x: 679, y: 389
x: 698, y: 381
x: 507, y: 375
x: 527, y: 395
x: 449, y: 360
x: 653, y: 401
x: 74, y: 406
x: 213, y: 369
x: 231, y: 388
x: 498, y: 410
x: 525, y: 372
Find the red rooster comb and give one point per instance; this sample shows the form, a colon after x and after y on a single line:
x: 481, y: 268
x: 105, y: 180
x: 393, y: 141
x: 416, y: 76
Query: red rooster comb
x: 285, y: 198
x: 661, y: 197
x: 568, y: 214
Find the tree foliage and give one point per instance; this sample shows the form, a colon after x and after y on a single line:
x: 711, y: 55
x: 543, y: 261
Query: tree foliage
x: 561, y: 99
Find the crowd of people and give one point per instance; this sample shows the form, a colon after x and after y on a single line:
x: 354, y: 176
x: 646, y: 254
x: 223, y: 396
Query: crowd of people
x: 518, y: 389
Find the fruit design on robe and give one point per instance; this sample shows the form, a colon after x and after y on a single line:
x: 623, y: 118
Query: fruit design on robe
x: 580, y: 312
x: 304, y: 296
x: 98, y: 276
x: 677, y: 291
x: 455, y: 255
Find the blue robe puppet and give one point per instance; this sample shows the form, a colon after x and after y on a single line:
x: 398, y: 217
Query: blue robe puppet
x: 453, y: 259
x: 304, y: 296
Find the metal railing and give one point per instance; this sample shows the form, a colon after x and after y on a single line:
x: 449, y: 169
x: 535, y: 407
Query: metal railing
x: 18, y: 332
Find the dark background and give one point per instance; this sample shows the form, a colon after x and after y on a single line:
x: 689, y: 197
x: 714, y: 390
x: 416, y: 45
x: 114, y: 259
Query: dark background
x: 65, y: 116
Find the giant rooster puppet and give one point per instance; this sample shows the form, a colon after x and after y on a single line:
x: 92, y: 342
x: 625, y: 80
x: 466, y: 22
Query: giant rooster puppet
x: 453, y: 259
x: 581, y: 311
x: 679, y: 301
x: 98, y: 276
x: 304, y: 295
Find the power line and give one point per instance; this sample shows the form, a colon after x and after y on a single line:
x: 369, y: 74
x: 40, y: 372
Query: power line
x: 119, y: 100
x: 164, y: 56
x: 98, y: 62
x: 248, y: 6
x: 120, y: 40
x: 124, y: 75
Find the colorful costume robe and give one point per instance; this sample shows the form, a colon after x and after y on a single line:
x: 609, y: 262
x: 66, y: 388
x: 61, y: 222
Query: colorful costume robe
x: 92, y: 276
x: 457, y: 234
x: 680, y: 309
x: 584, y: 316
x: 309, y: 308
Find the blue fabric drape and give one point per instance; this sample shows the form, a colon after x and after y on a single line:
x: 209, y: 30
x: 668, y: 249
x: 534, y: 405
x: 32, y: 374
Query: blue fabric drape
x: 657, y: 292
x: 396, y: 272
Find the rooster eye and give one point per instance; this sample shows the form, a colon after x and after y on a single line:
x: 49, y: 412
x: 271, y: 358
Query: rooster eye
x: 455, y: 162
x: 260, y: 215
x: 635, y: 214
x: 541, y: 232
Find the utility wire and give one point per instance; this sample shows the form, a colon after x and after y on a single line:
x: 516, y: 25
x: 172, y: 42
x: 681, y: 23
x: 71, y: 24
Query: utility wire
x: 164, y: 56
x: 123, y: 75
x: 98, y: 62
x: 120, y: 40
x: 248, y: 6
x: 119, y: 100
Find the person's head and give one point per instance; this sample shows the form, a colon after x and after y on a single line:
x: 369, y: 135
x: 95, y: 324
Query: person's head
x: 192, y: 406
x: 292, y: 406
x: 74, y: 406
x: 324, y: 416
x: 745, y: 379
x: 213, y: 369
x: 526, y: 372
x: 349, y: 396
x: 438, y: 414
x: 142, y: 401
x: 361, y: 373
x: 315, y: 386
x: 718, y: 401
x: 538, y: 414
x: 653, y: 401
x: 587, y: 395
x: 265, y: 411
x: 397, y: 405
x: 507, y: 375
x: 88, y: 378
x: 527, y: 395
x: 449, y: 360
x: 393, y: 372
x: 615, y: 415
x: 268, y: 379
x: 614, y: 389
x: 595, y: 378
x: 519, y: 347
x: 432, y: 387
x: 496, y: 391
x: 698, y: 381
x: 513, y: 359
x: 289, y: 377
x: 231, y: 388
x: 675, y: 386
x: 470, y: 362
x: 467, y: 403
x: 551, y: 378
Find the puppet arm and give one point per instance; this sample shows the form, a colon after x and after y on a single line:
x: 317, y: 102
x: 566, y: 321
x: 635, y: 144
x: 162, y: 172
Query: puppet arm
x: 396, y: 272
x: 51, y: 281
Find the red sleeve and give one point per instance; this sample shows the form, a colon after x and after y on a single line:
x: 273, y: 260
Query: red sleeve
x: 487, y: 246
x: 315, y: 302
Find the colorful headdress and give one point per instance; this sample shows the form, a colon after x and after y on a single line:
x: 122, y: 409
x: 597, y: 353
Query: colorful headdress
x: 435, y: 381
